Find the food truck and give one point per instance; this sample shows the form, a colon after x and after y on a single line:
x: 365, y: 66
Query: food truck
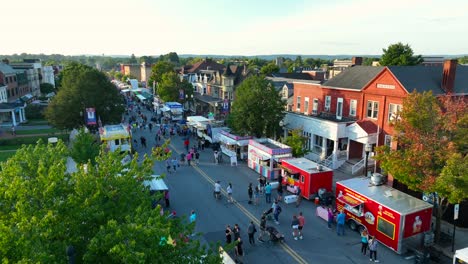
x: 115, y: 136
x: 396, y: 219
x: 306, y: 175
x: 173, y: 111
x: 234, y: 145
x: 264, y: 155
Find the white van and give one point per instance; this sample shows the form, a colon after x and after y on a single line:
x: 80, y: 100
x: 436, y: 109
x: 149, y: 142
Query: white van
x: 461, y: 256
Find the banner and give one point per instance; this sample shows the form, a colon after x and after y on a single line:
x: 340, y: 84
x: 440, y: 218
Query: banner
x: 226, y: 106
x: 181, y: 94
x: 90, y: 116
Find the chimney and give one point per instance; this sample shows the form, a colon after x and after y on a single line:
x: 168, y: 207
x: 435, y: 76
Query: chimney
x: 448, y: 75
x: 356, y: 61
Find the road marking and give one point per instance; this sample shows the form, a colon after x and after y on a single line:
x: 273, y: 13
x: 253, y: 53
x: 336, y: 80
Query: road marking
x: 284, y: 246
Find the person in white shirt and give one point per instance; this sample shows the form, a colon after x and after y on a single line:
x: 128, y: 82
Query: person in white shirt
x: 217, y: 189
x: 229, y: 192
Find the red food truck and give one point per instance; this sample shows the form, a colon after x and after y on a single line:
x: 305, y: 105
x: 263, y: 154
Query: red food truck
x: 396, y: 219
x: 307, y: 175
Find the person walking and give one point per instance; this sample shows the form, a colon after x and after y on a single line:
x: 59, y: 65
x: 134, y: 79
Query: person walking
x: 299, y: 196
x: 331, y: 217
x: 168, y: 165
x: 197, y: 157
x: 255, y: 195
x: 295, y: 227
x: 236, y: 231
x: 217, y: 190
x: 301, y: 220
x: 262, y: 228
x: 228, y: 233
x: 239, y: 251
x: 276, y: 211
x: 364, y: 241
x: 189, y: 158
x: 251, y: 230
x: 192, y: 220
x: 143, y: 141
x: 175, y: 163
x: 216, y: 156
x: 280, y: 191
x: 229, y: 192
x: 268, y: 193
x: 13, y: 130
x: 250, y: 192
x: 261, y: 183
x: 373, y: 249
x: 340, y: 222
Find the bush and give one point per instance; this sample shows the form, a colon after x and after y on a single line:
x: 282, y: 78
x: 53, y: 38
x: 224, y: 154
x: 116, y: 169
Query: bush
x: 34, y: 111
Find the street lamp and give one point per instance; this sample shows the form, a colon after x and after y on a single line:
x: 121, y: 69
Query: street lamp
x: 367, y: 149
x: 283, y: 125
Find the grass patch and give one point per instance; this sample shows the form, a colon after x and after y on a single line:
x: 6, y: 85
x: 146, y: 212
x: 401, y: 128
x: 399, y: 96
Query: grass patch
x: 19, y: 141
x: 37, y: 122
x: 38, y: 131
x: 4, y: 156
x: 14, y: 147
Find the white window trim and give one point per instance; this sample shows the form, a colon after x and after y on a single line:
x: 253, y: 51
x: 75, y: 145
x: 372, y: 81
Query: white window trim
x: 388, y: 138
x: 395, y: 113
x: 315, y: 104
x: 327, y: 103
x: 306, y: 105
x: 339, y: 110
x: 352, y: 103
x: 372, y: 109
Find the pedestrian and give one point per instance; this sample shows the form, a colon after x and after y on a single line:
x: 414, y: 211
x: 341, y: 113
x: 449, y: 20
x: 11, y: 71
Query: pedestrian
x: 192, y: 220
x: 276, y: 211
x: 331, y: 217
x: 251, y: 230
x: 301, y: 220
x: 203, y: 144
x: 229, y: 193
x: 175, y: 163
x: 250, y: 192
x: 216, y: 156
x: 262, y: 228
x: 143, y: 141
x: 150, y: 125
x: 239, y: 250
x: 299, y: 196
x: 182, y: 158
x: 364, y: 241
x: 228, y: 233
x: 280, y: 191
x: 189, y: 158
x: 197, y: 157
x: 256, y: 194
x: 295, y: 227
x: 166, y: 198
x: 373, y: 249
x: 13, y: 130
x: 236, y: 231
x: 168, y: 165
x: 340, y: 222
x: 268, y: 193
x: 261, y: 183
x: 186, y: 144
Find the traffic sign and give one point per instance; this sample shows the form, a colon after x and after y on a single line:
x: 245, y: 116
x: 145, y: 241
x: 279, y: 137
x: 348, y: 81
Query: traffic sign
x: 456, y: 208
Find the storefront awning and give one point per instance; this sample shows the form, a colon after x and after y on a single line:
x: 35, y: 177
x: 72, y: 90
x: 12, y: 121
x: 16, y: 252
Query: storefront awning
x: 351, y: 201
x: 288, y: 170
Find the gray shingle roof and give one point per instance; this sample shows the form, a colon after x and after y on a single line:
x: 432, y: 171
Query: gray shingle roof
x: 429, y: 78
x: 355, y: 77
x: 6, y: 69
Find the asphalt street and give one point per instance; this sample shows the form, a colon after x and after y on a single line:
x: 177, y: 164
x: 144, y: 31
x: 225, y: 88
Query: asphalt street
x: 191, y: 188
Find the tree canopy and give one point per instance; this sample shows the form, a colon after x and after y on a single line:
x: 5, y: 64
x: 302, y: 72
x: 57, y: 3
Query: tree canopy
x: 258, y: 108
x: 399, y: 55
x: 170, y: 86
x: 297, y: 142
x: 431, y: 136
x: 47, y: 88
x: 269, y: 69
x: 158, y: 70
x: 103, y: 212
x: 83, y: 87
x: 85, y: 148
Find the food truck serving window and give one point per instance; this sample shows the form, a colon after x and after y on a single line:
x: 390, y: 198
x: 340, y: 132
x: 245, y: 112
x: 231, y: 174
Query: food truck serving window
x: 385, y: 227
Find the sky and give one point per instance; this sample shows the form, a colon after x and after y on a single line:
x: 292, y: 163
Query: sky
x: 235, y: 27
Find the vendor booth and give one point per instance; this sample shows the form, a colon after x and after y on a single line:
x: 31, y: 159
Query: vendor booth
x: 173, y: 111
x: 234, y: 145
x: 264, y: 155
x: 306, y: 175
x: 115, y: 136
x: 197, y: 124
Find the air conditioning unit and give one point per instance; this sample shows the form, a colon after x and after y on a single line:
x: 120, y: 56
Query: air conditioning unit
x: 378, y: 179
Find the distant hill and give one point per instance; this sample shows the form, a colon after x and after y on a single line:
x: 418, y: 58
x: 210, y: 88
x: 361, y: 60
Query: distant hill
x: 304, y: 56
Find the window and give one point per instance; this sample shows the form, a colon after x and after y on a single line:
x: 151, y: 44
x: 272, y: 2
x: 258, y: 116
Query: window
x: 6, y: 80
x: 339, y: 108
x: 298, y: 103
x: 385, y: 227
x: 372, y: 109
x: 318, y: 141
x: 315, y: 106
x: 306, y: 105
x: 352, y: 107
x: 394, y: 111
x: 327, y: 103
x: 307, y: 137
x: 302, y: 178
x: 388, y: 140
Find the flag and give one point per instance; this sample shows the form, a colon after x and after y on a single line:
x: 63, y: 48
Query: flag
x: 90, y: 116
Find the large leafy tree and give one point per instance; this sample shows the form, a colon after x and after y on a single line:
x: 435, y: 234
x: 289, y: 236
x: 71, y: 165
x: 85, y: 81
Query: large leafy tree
x: 269, y: 69
x: 83, y: 87
x: 170, y: 86
x: 85, y: 148
x: 47, y: 88
x: 258, y: 108
x: 158, y: 70
x: 103, y: 212
x: 297, y: 143
x: 399, y: 54
x: 431, y: 154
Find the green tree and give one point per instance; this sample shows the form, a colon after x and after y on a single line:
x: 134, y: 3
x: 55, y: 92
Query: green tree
x: 158, y: 70
x: 103, y: 211
x: 297, y: 142
x: 132, y: 59
x: 399, y: 55
x: 258, y: 108
x: 47, y: 88
x: 83, y: 87
x: 463, y: 60
x: 269, y: 69
x: 170, y: 85
x: 85, y: 148
x: 429, y: 157
x: 368, y: 61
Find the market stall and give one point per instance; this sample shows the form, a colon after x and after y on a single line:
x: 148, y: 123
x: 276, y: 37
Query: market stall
x: 306, y: 175
x: 264, y: 155
x: 198, y: 124
x: 115, y: 136
x: 234, y: 145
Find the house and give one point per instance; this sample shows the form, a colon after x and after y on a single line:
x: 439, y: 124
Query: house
x: 11, y: 108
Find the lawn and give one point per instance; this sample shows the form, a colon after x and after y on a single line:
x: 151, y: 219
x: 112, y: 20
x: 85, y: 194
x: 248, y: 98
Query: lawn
x: 6, y: 155
x: 37, y: 122
x: 38, y: 131
x: 9, y: 147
